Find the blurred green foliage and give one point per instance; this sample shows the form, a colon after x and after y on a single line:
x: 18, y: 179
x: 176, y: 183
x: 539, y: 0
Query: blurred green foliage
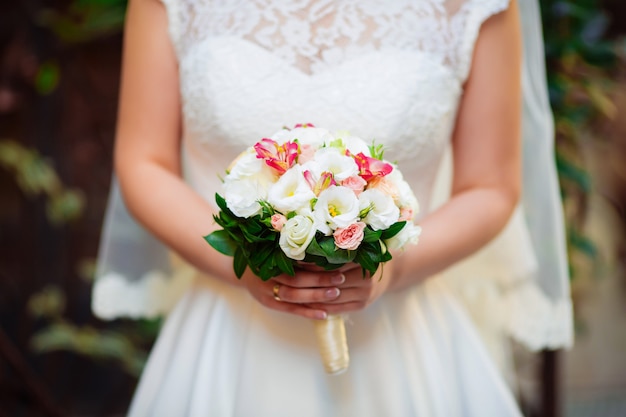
x: 85, y: 20
x: 35, y: 176
x: 580, y: 61
x: 47, y: 77
x: 124, y: 344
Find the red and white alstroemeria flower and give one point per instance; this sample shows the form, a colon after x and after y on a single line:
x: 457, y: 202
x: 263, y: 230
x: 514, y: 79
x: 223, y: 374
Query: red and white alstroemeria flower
x: 325, y: 180
x: 278, y: 157
x: 370, y: 168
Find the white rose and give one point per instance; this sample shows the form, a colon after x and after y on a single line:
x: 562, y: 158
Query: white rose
x: 383, y: 211
x: 331, y: 160
x: 336, y: 206
x: 410, y: 233
x: 291, y: 192
x: 296, y: 235
x: 242, y: 196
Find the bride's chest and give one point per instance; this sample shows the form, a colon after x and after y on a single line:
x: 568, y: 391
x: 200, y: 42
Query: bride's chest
x: 235, y: 91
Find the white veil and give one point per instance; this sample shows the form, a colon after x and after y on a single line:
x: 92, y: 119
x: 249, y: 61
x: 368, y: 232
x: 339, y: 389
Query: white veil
x: 136, y: 276
x: 517, y: 284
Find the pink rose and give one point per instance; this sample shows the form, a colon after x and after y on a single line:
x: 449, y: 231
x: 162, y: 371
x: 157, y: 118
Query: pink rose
x: 278, y: 221
x: 355, y: 183
x: 306, y: 153
x: 406, y: 214
x: 385, y: 186
x: 349, y: 237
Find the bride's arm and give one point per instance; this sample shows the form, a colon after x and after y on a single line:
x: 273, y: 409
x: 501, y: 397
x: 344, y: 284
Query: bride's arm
x: 147, y: 149
x: 147, y: 162
x: 487, y: 157
x: 487, y: 171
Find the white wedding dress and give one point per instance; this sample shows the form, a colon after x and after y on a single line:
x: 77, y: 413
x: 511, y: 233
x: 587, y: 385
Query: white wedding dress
x: 392, y: 71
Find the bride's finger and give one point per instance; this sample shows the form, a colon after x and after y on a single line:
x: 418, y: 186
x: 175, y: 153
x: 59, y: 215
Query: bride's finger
x: 356, y: 279
x: 312, y: 279
x: 290, y: 294
x: 276, y: 303
x: 347, y: 295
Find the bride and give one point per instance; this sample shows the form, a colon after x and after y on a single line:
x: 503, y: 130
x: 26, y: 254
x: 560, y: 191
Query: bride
x: 204, y: 79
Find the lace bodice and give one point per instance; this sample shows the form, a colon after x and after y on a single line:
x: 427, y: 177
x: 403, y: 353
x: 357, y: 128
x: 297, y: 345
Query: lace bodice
x: 390, y: 71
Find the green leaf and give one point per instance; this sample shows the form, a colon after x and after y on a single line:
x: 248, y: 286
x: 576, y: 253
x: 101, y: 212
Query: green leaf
x: 315, y: 259
x: 341, y: 257
x: 251, y: 237
x: 284, y: 263
x: 260, y: 253
x: 370, y: 235
x: 239, y: 263
x: 333, y: 254
x: 47, y: 78
x: 364, y: 259
x: 228, y: 219
x: 268, y: 269
x: 327, y: 243
x: 254, y: 225
x: 315, y: 249
x: 222, y: 242
x: 369, y: 256
x: 221, y: 203
x: 393, y: 230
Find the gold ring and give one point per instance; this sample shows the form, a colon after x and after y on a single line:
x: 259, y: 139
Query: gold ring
x: 275, y: 292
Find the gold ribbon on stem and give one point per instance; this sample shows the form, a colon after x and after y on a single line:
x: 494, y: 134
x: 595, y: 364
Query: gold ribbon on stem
x: 331, y: 336
x: 332, y: 343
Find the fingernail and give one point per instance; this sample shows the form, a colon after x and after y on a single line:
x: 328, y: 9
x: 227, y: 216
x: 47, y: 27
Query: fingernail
x: 332, y: 293
x: 338, y: 279
x: 321, y: 315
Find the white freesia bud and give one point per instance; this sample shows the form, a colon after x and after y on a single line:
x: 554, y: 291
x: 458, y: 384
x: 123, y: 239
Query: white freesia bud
x: 383, y: 212
x: 296, y: 235
x: 291, y: 192
x: 410, y: 233
x: 336, y: 206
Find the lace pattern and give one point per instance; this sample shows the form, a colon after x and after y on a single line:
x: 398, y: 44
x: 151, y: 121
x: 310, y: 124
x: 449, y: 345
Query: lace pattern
x: 312, y: 35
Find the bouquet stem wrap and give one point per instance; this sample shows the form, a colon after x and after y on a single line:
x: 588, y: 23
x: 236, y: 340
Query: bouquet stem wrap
x: 332, y: 343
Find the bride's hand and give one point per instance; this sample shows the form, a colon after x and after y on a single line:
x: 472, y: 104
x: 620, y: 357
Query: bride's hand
x: 357, y: 292
x: 314, y: 294
x: 306, y: 294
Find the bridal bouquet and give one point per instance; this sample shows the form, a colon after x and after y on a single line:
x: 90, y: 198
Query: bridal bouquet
x: 306, y: 196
